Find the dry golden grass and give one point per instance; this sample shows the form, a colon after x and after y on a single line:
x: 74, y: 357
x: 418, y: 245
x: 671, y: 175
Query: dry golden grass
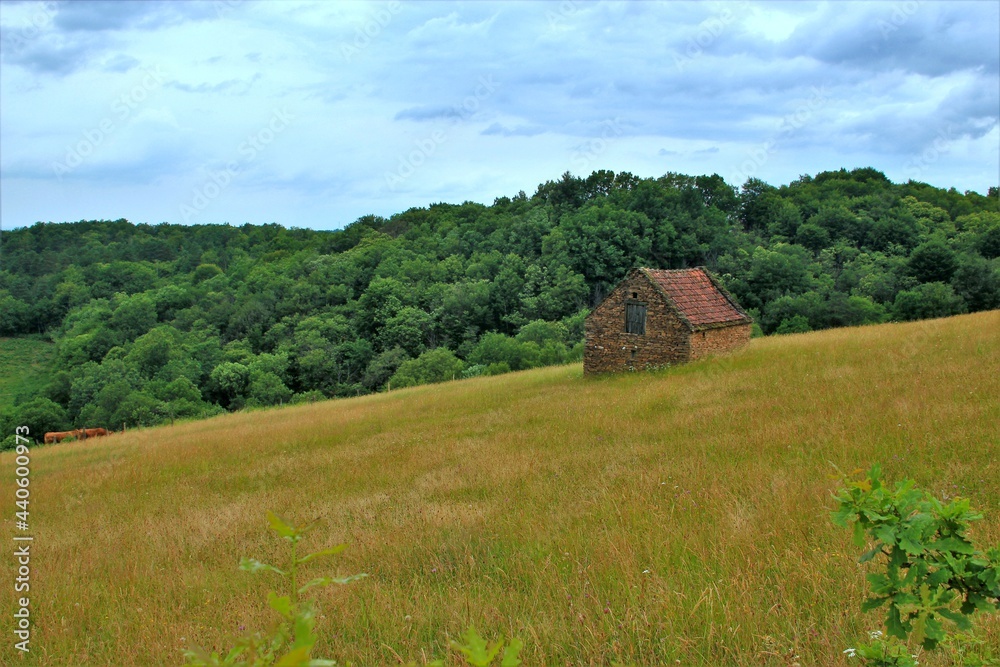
x: 675, y: 517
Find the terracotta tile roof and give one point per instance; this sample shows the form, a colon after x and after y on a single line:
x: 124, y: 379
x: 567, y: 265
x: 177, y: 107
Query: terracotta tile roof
x: 698, y: 298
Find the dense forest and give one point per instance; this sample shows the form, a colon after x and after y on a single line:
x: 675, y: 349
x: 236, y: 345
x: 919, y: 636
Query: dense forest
x: 153, y: 323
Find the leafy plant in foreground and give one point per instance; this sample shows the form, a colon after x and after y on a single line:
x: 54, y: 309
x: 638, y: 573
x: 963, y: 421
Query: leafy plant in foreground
x: 881, y: 652
x: 291, y: 642
x: 933, y: 572
x: 478, y: 653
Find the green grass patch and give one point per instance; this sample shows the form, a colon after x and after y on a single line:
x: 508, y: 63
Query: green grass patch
x: 24, y: 366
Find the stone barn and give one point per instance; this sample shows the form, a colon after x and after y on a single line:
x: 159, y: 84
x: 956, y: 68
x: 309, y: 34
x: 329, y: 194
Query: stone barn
x: 656, y: 317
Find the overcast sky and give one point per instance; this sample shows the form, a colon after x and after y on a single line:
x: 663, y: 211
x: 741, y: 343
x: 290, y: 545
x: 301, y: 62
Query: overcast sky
x: 314, y: 114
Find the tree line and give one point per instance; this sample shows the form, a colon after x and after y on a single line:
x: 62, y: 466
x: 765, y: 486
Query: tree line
x: 153, y: 323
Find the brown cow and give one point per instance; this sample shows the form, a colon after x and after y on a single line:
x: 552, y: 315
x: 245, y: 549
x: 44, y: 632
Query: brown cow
x: 79, y: 434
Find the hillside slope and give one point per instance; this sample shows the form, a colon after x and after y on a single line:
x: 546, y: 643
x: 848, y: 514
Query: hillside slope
x: 648, y: 518
x: 24, y: 366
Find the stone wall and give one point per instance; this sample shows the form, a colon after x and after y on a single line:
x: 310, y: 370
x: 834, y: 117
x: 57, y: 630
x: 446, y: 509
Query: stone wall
x: 667, y: 339
x: 610, y: 349
x: 716, y: 341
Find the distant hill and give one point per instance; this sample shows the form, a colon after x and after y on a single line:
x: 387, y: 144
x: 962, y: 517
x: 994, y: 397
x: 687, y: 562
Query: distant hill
x: 154, y: 323
x: 649, y: 518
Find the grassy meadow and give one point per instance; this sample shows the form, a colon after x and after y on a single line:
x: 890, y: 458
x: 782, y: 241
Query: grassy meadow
x: 676, y: 517
x: 24, y: 363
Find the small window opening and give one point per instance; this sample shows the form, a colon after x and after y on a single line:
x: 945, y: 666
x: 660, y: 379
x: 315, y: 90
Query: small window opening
x: 634, y: 353
x: 635, y: 295
x: 635, y: 318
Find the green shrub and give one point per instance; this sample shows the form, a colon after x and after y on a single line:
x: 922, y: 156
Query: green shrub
x: 793, y: 324
x: 437, y: 365
x: 926, y: 301
x: 291, y: 643
x: 935, y: 579
x: 474, y: 371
